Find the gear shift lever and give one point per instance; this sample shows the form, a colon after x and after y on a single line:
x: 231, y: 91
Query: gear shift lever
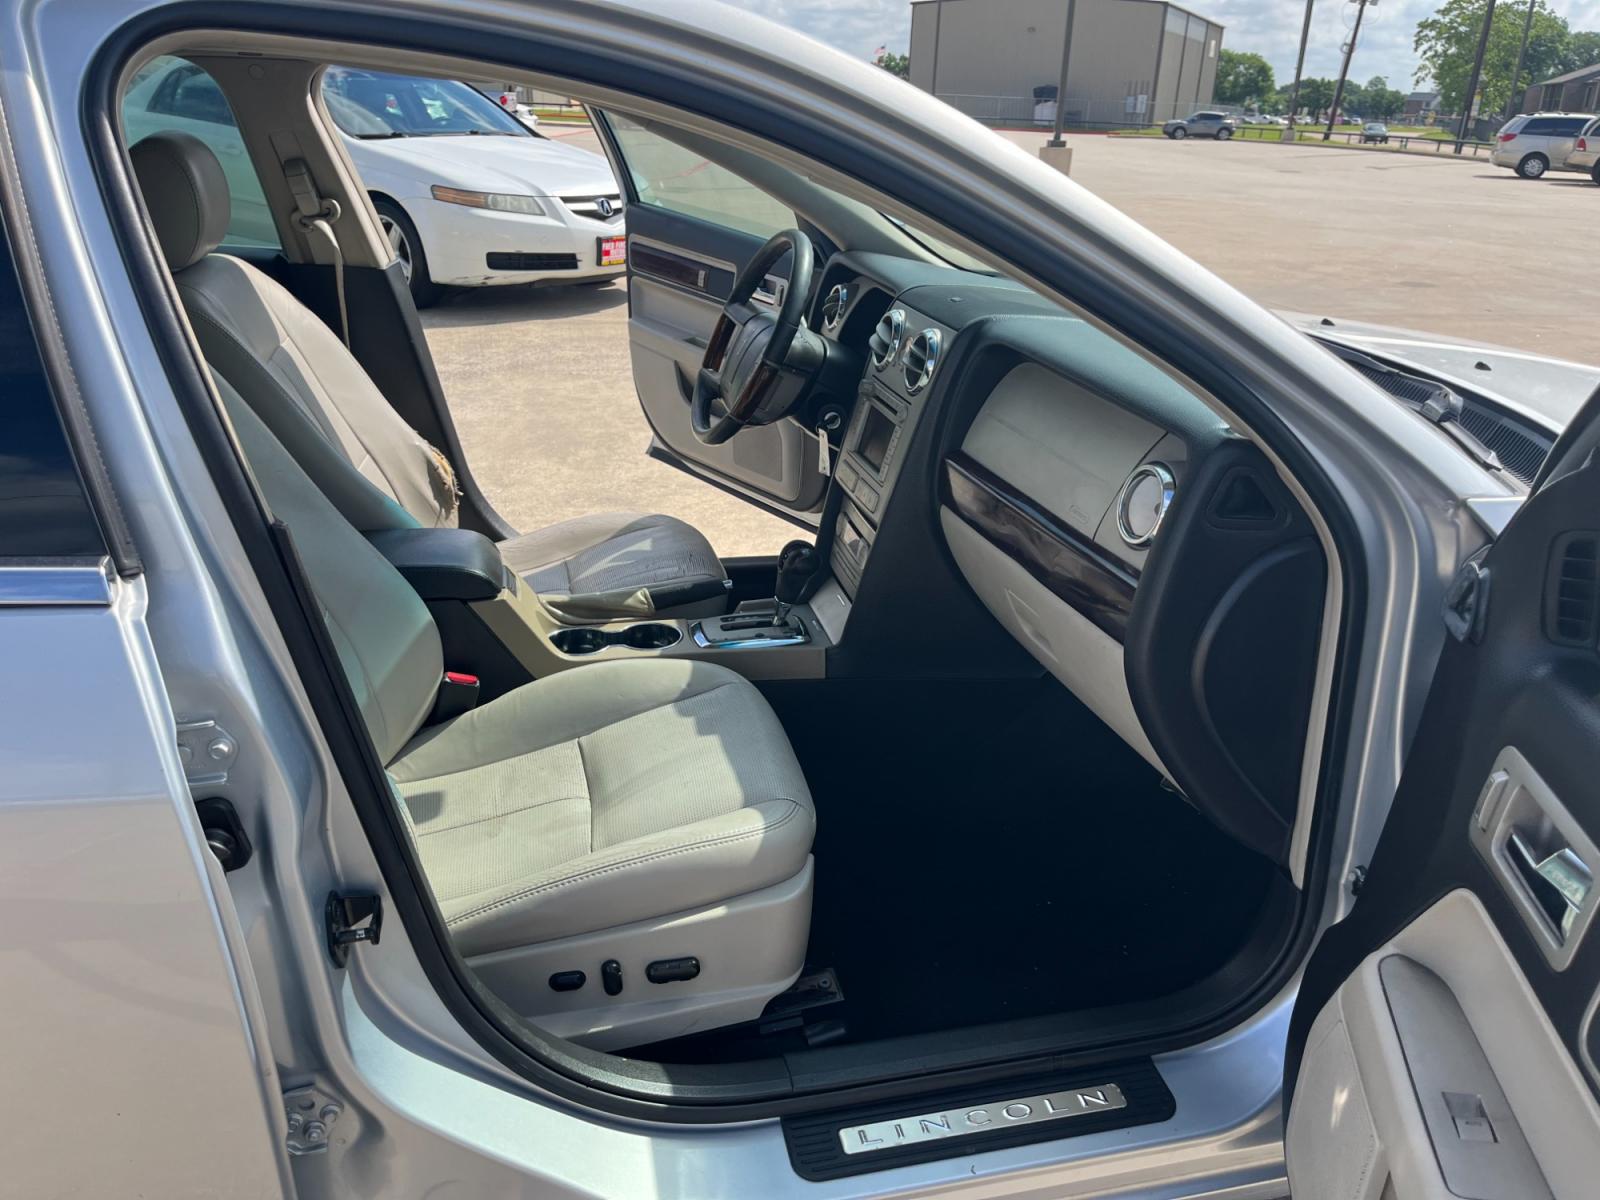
x: 797, y: 563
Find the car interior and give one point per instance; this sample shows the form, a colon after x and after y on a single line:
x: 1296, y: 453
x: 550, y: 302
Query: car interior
x: 1011, y: 755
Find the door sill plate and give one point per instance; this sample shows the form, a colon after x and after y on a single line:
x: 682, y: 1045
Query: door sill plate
x: 954, y: 1124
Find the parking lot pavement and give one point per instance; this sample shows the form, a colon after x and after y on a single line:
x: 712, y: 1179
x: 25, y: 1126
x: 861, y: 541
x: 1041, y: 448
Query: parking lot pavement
x: 1454, y: 247
x: 542, y: 391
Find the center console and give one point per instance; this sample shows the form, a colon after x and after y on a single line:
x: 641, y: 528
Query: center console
x: 906, y: 351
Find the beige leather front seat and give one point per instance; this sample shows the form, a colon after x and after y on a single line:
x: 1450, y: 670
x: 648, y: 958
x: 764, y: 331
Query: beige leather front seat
x: 603, y: 821
x: 316, y: 398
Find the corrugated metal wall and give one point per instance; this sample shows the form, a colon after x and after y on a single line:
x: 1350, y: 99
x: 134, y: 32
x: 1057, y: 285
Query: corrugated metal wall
x: 1133, y: 61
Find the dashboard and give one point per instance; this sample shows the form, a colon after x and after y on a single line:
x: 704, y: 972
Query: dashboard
x: 1101, y: 515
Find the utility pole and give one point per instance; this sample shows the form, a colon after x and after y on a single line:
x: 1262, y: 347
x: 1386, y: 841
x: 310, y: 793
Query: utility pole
x: 1055, y: 151
x: 1522, y: 54
x: 1344, y: 67
x: 1477, y: 74
x: 1061, y: 91
x: 1289, y: 134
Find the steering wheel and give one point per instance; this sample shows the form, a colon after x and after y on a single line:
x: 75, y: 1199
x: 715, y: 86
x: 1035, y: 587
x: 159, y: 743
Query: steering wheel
x: 758, y: 362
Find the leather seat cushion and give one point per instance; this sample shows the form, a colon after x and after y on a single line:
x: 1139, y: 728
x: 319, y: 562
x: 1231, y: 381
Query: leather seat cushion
x: 607, y: 556
x: 602, y: 796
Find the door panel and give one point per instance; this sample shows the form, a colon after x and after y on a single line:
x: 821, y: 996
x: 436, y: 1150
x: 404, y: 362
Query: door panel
x: 1453, y: 1006
x: 1435, y: 1071
x: 691, y: 228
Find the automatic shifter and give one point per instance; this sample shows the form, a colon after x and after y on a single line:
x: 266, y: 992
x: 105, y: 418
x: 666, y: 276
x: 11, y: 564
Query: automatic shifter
x: 797, y: 563
x: 759, y: 625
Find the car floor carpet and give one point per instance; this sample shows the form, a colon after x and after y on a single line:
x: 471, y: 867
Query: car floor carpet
x: 992, y: 851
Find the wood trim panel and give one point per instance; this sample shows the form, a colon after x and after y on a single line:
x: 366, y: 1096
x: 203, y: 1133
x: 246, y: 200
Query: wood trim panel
x: 1070, y: 565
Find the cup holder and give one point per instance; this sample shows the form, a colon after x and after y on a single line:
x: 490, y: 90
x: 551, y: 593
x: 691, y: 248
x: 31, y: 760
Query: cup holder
x: 650, y: 637
x: 578, y: 642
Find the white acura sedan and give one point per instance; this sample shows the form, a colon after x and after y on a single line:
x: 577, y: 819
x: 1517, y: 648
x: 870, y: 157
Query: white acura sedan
x: 468, y: 196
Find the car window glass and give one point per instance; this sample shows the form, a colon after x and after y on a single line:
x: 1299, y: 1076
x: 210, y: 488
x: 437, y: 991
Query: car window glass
x: 174, y: 95
x: 1538, y: 126
x: 668, y: 176
x: 373, y: 104
x: 1573, y: 124
x: 43, y: 510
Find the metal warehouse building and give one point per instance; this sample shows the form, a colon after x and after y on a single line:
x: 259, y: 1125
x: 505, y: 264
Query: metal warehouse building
x: 1133, y: 62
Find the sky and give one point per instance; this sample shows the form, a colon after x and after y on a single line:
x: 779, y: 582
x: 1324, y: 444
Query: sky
x: 1271, y: 28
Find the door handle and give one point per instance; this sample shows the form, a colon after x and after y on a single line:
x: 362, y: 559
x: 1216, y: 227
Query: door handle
x: 772, y: 292
x: 1541, y: 856
x: 1559, y: 881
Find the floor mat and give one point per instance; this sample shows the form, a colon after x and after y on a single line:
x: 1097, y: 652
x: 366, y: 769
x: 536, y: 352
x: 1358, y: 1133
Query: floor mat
x: 992, y: 851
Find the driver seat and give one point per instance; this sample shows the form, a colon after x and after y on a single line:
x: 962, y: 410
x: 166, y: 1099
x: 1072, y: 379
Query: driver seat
x: 319, y: 402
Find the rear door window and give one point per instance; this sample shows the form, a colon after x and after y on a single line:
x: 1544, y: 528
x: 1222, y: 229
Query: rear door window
x: 1539, y: 126
x: 44, y: 512
x: 175, y: 95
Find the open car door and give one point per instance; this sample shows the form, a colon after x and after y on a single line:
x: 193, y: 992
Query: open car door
x: 1445, y: 1040
x: 692, y: 227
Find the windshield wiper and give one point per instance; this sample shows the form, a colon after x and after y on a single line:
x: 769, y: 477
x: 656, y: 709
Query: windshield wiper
x: 379, y: 137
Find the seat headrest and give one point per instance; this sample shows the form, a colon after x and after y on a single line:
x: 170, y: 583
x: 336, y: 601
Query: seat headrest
x: 186, y: 194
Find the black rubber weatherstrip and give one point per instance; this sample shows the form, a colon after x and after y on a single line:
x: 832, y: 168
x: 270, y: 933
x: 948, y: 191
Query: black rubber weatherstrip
x: 1003, y: 1115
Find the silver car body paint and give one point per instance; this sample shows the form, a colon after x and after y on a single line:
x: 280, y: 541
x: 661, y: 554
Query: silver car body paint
x: 428, y: 1111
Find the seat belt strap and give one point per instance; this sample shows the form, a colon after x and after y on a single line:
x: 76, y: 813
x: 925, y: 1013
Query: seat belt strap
x: 316, y: 215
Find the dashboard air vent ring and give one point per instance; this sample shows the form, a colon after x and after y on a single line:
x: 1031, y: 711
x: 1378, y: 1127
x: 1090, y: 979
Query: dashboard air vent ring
x: 886, y: 338
x: 921, y: 359
x: 834, y: 307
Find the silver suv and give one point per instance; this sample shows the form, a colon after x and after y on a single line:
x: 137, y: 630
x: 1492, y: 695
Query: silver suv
x: 1533, y: 143
x: 1201, y: 124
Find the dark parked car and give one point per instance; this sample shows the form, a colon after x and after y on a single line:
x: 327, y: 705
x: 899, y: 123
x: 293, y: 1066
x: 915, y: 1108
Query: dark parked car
x: 1201, y: 124
x: 1375, y: 131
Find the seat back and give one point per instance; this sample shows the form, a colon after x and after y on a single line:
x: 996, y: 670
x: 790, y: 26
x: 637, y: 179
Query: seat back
x: 288, y: 366
x: 386, y: 640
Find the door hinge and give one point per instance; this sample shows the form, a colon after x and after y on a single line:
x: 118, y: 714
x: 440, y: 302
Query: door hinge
x: 206, y: 750
x: 310, y: 1114
x: 1466, y: 602
x: 352, y: 919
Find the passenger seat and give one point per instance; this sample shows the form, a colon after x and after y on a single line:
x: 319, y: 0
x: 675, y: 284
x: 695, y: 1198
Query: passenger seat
x: 621, y: 851
x: 315, y: 397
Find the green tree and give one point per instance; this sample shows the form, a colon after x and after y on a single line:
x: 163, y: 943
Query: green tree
x: 1243, y: 78
x: 1354, y: 102
x: 895, y: 64
x: 1447, y: 42
x: 1379, y: 101
x: 1582, y: 50
x: 1316, y: 97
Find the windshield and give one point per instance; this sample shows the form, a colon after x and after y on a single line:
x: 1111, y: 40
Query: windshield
x: 369, y: 104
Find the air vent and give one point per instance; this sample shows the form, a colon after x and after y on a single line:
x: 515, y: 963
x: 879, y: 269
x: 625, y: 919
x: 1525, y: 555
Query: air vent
x: 833, y: 308
x: 885, y: 342
x: 1572, y: 591
x: 922, y: 359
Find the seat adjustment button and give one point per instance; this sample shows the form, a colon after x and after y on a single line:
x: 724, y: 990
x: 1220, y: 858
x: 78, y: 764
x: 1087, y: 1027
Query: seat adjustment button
x: 611, y: 977
x: 567, y: 981
x: 672, y: 970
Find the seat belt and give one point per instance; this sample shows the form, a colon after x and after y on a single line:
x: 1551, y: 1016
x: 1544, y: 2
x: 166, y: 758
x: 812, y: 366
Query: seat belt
x: 316, y: 215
